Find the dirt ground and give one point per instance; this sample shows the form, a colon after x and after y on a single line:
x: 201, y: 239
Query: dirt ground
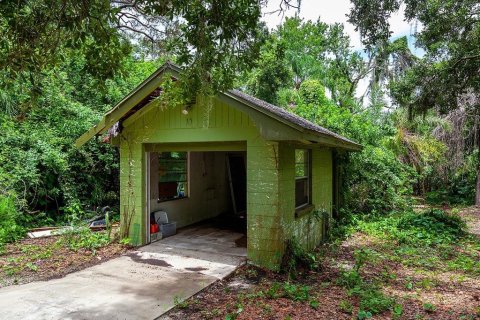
x: 47, y: 258
x: 471, y: 215
x: 422, y: 286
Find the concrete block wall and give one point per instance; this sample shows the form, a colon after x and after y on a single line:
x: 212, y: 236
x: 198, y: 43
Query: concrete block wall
x: 306, y: 229
x: 132, y: 188
x: 264, y: 231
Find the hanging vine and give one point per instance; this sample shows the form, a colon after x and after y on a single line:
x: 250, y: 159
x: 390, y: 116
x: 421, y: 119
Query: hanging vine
x: 128, y: 211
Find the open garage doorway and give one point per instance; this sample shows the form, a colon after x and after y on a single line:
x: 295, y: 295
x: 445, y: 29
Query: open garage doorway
x: 203, y: 192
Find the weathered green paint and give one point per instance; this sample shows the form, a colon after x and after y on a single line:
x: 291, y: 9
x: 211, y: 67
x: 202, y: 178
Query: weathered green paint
x: 307, y: 229
x: 270, y: 172
x: 227, y: 123
x: 275, y: 128
x: 218, y: 146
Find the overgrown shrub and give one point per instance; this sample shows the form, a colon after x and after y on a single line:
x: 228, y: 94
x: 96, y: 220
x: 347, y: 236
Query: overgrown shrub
x: 430, y: 227
x: 45, y: 169
x: 460, y: 189
x: 375, y: 179
x: 9, y: 229
x: 377, y: 182
x: 288, y: 290
x: 296, y: 258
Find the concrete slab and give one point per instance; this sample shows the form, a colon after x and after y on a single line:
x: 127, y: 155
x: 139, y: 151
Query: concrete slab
x: 140, y: 285
x: 206, y: 239
x: 47, y: 232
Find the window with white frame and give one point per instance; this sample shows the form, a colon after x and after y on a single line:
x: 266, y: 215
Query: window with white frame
x: 172, y: 175
x: 303, y: 169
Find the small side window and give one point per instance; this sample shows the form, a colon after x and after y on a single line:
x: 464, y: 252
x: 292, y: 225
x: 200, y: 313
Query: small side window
x: 303, y: 168
x: 173, y: 175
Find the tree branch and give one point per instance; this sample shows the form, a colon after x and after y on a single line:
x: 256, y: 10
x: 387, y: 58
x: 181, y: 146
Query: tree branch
x: 120, y: 26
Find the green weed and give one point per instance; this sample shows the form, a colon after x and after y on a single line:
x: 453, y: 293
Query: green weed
x: 346, y: 306
x: 372, y: 300
x: 125, y: 241
x: 84, y: 238
x: 179, y: 302
x: 397, y: 311
x: 296, y: 292
x: 314, y: 304
x: 31, y: 266
x: 362, y: 314
x: 234, y: 315
x: 274, y: 291
x: 295, y: 257
x: 251, y: 273
x: 428, y: 307
x: 349, y: 279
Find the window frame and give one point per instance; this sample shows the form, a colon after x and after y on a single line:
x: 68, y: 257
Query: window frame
x: 187, y: 180
x: 308, y: 177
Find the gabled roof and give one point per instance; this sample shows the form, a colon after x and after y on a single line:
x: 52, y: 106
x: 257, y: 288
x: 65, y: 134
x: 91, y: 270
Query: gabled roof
x: 149, y: 89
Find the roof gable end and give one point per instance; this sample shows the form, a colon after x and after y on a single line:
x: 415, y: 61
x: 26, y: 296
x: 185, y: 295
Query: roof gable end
x: 151, y: 84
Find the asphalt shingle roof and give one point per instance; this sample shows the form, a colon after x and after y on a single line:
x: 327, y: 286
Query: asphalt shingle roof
x: 284, y: 114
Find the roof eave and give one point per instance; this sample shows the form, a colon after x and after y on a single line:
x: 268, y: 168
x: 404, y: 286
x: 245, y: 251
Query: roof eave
x: 339, y: 143
x: 122, y: 107
x: 111, y: 118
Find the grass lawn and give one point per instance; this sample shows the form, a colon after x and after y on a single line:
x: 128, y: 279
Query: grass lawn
x: 410, y: 266
x: 47, y: 258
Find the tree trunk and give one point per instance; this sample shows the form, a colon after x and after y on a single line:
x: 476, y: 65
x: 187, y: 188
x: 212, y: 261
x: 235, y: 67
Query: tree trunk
x: 477, y: 188
x: 477, y: 144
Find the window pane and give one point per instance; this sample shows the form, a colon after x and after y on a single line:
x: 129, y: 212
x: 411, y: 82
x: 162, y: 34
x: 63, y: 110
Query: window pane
x: 173, y: 175
x: 301, y: 163
x: 302, y: 177
x: 301, y: 192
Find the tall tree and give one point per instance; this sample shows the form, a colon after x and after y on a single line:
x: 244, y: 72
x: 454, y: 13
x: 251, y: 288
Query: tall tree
x: 448, y: 76
x: 273, y: 72
x: 310, y: 50
x: 212, y: 39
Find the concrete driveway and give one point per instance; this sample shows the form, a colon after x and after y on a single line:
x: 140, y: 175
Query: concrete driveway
x: 140, y: 285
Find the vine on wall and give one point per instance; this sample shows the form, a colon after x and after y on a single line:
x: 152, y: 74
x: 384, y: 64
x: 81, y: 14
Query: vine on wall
x: 129, y: 208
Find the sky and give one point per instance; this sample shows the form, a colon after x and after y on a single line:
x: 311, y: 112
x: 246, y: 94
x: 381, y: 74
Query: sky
x: 334, y: 11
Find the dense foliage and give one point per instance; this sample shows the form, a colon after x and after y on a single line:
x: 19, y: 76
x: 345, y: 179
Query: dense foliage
x: 213, y: 40
x: 318, y: 81
x: 9, y: 228
x: 318, y: 77
x: 445, y: 79
x: 40, y: 167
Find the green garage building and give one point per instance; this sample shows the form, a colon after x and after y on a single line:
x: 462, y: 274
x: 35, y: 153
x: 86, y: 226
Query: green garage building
x: 239, y: 154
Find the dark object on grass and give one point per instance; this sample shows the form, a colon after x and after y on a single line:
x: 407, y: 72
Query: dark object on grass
x: 100, y: 220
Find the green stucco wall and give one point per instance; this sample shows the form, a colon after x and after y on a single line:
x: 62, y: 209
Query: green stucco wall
x: 270, y: 173
x: 307, y: 229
